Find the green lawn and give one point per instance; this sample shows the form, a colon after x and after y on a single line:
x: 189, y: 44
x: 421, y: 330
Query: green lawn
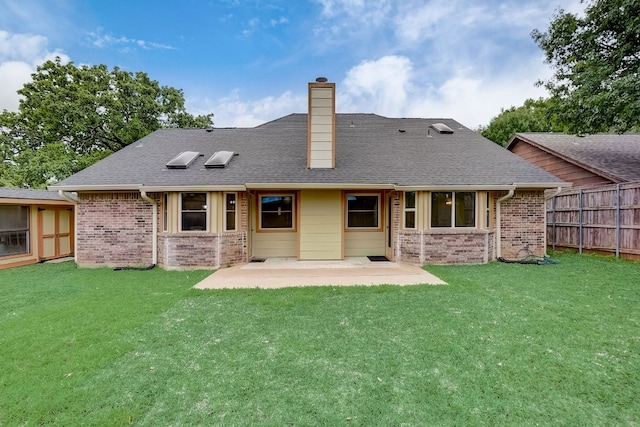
x: 500, y: 345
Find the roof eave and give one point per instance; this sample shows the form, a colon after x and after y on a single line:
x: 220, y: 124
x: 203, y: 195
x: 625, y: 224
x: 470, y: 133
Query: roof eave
x: 519, y: 137
x: 100, y: 187
x: 21, y: 201
x: 317, y: 186
x: 539, y: 185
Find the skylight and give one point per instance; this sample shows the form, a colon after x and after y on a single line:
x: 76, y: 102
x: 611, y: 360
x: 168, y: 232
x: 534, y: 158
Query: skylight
x: 183, y: 160
x: 220, y: 159
x: 441, y: 128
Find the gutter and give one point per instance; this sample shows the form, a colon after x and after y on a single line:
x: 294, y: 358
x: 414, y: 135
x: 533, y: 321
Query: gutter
x: 67, y: 197
x: 498, y: 221
x: 551, y: 196
x: 463, y: 187
x: 154, y: 242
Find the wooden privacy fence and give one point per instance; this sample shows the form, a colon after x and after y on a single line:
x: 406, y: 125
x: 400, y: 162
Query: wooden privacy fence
x: 599, y: 219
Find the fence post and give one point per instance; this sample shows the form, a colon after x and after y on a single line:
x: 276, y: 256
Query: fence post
x: 580, y: 222
x: 553, y: 226
x: 618, y: 220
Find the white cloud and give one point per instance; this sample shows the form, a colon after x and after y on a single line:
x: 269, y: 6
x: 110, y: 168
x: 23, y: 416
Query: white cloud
x: 20, y: 54
x: 20, y: 47
x: 390, y: 87
x: 415, y: 23
x: 352, y: 17
x: 380, y: 85
x: 231, y: 111
x: 13, y: 74
x: 100, y: 39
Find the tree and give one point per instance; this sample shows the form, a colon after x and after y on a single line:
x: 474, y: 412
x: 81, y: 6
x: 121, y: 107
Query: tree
x: 597, y: 64
x: 70, y: 117
x: 533, y: 116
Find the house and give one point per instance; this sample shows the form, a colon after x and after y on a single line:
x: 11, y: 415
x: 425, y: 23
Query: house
x: 315, y: 186
x: 583, y: 160
x: 601, y: 213
x: 35, y: 225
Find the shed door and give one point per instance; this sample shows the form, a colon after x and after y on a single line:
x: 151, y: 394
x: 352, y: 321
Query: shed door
x: 55, y: 233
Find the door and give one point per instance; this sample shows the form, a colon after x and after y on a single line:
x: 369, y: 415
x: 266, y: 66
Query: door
x: 55, y: 233
x: 250, y: 223
x: 389, y: 227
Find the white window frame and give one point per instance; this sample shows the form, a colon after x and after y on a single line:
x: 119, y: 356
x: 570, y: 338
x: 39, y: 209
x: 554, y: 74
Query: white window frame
x: 379, y: 209
x: 206, y: 210
x: 406, y: 209
x: 453, y: 211
x: 235, y: 212
x: 293, y: 211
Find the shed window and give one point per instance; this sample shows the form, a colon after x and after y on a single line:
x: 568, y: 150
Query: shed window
x: 363, y: 210
x: 14, y: 230
x: 453, y: 209
x: 410, y: 209
x: 194, y: 211
x: 277, y: 211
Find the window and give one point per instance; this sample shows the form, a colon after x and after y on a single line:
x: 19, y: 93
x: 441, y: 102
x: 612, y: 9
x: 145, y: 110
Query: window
x: 165, y: 212
x: 487, y: 223
x: 453, y: 209
x: 14, y: 230
x: 362, y: 210
x: 410, y: 209
x: 277, y: 211
x: 194, y: 211
x: 230, y: 211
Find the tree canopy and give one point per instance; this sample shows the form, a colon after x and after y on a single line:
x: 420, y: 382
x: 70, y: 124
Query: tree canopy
x: 596, y: 58
x: 533, y: 116
x: 70, y: 117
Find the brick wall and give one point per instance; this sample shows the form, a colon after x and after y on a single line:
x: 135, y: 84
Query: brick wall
x: 446, y: 247
x: 189, y: 250
x: 522, y: 224
x: 113, y: 229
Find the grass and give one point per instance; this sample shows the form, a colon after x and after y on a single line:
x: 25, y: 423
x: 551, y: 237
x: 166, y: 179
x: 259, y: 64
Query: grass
x: 500, y: 345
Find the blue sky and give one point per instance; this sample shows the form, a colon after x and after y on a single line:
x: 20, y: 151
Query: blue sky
x: 250, y: 61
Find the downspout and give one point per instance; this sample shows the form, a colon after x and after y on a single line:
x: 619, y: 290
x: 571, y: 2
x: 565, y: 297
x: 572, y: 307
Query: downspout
x: 154, y: 242
x: 551, y: 196
x: 70, y: 199
x: 499, y: 222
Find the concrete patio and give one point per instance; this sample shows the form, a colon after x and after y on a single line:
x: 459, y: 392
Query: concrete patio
x: 287, y: 272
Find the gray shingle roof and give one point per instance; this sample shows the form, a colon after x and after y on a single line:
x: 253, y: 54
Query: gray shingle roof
x: 612, y: 155
x: 370, y: 149
x: 22, y: 193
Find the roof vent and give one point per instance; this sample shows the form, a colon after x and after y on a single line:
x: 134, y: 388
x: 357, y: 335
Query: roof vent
x: 321, y: 80
x: 220, y: 159
x: 441, y: 128
x: 183, y: 160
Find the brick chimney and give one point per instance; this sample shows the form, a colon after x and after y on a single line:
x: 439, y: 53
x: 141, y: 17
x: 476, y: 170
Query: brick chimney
x: 321, y: 123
